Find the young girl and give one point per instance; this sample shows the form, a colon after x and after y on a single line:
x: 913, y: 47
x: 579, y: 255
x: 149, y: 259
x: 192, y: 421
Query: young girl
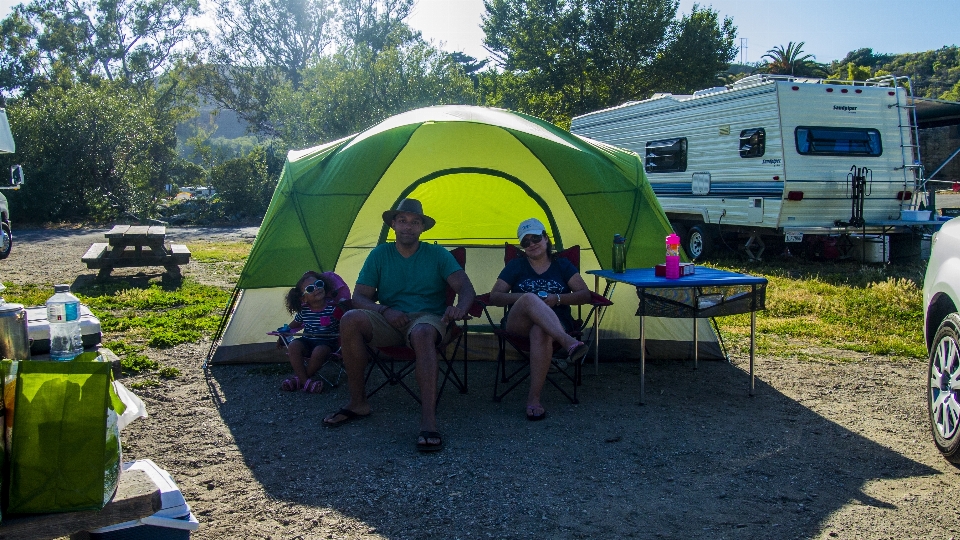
x: 315, y: 305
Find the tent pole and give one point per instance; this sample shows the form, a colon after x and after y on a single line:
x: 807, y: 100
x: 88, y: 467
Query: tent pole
x: 223, y: 325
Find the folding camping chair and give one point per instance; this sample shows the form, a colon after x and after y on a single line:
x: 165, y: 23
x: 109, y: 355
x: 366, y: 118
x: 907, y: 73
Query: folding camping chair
x: 395, y: 363
x: 560, y: 371
x: 335, y: 357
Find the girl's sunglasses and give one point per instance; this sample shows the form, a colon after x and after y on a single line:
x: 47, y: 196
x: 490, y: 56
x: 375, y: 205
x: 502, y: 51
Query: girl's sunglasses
x: 318, y: 284
x: 530, y: 239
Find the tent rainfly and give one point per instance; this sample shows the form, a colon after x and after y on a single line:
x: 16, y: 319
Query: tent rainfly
x: 478, y: 172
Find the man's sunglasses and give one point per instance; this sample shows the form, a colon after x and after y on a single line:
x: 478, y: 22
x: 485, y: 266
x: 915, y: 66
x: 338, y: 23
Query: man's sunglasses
x: 530, y: 239
x: 318, y: 284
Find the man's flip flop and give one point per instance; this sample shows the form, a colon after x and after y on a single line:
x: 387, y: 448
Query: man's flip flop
x: 425, y: 446
x: 348, y: 416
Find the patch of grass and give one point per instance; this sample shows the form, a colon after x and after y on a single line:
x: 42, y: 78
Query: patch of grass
x: 848, y: 306
x: 156, y: 316
x: 208, y: 252
x: 169, y: 372
x: 27, y: 294
x: 146, y: 383
x: 121, y: 347
x: 136, y: 362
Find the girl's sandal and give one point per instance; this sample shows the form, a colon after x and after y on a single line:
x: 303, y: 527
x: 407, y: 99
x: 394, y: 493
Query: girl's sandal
x: 312, y: 386
x: 292, y: 384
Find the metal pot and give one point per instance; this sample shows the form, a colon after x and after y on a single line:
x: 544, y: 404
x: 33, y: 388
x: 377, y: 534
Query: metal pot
x: 14, y: 340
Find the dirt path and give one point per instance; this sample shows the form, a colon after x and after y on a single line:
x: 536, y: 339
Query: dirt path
x: 824, y: 450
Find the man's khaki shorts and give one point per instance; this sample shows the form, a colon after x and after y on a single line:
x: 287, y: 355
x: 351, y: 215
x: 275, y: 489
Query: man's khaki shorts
x: 385, y: 335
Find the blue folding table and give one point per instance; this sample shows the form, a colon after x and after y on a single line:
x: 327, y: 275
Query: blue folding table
x: 707, y: 293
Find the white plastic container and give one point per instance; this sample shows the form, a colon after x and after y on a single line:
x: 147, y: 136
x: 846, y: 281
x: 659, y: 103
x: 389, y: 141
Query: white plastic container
x: 173, y: 521
x: 63, y: 314
x: 871, y: 248
x: 38, y: 329
x: 915, y: 215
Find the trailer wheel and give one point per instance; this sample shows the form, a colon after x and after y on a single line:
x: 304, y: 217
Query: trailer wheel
x: 699, y: 242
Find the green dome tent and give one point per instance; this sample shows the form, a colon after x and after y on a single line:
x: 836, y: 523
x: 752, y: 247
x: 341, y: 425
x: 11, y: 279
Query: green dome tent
x: 478, y: 172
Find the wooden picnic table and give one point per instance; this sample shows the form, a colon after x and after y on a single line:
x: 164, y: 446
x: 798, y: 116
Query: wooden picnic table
x: 136, y: 245
x: 137, y: 497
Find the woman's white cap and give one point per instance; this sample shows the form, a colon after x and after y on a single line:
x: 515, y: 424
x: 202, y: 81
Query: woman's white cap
x: 530, y: 226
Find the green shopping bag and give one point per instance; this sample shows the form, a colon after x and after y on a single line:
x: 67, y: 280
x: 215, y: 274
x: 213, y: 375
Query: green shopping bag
x: 64, y: 454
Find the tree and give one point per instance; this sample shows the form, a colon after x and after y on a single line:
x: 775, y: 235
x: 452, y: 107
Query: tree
x: 790, y: 60
x: 953, y: 94
x: 698, y: 52
x: 283, y: 34
x: 379, y: 24
x: 91, y: 152
x: 58, y: 42
x: 565, y: 57
x: 243, y: 184
x: 250, y: 65
x: 262, y: 44
x: 353, y: 89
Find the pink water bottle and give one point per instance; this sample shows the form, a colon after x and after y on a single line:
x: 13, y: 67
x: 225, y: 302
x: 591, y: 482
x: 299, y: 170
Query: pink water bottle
x: 673, y: 256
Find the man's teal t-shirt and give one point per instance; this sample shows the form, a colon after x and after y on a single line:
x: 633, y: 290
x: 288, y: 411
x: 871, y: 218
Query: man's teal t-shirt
x: 414, y: 284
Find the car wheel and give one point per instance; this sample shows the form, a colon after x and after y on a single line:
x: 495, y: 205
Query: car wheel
x: 943, y: 394
x: 699, y: 242
x: 6, y: 240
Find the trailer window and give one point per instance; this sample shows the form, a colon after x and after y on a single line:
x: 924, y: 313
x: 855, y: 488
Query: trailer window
x: 827, y: 141
x: 752, y: 142
x: 667, y: 155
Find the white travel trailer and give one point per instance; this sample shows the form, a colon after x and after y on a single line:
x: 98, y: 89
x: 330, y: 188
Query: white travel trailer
x: 775, y: 157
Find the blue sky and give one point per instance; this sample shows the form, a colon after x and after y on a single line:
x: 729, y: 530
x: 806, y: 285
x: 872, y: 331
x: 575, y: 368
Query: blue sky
x: 830, y: 28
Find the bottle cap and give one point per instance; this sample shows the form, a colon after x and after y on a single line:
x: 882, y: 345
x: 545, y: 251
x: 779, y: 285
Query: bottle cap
x: 672, y: 238
x: 61, y: 288
x: 617, y: 239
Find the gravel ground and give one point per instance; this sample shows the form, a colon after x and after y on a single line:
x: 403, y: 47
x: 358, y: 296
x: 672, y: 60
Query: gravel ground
x: 823, y: 450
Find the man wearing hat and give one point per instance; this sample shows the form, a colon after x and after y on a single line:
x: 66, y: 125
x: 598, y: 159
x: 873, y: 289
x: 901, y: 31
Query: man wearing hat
x: 409, y: 278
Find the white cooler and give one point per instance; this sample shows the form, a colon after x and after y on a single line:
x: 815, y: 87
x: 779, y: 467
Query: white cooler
x: 38, y: 329
x: 174, y: 521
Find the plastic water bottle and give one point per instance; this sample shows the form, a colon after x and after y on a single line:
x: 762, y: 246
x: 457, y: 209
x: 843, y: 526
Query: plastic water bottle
x: 63, y: 314
x: 619, y: 254
x: 673, y: 256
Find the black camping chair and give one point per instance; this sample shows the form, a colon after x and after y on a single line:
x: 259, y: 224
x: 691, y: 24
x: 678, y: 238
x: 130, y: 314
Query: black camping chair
x: 395, y: 363
x: 561, y: 372
x: 335, y: 358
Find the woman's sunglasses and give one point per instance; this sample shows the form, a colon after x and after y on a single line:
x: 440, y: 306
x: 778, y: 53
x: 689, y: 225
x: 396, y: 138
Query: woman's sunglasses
x: 530, y: 239
x: 318, y: 284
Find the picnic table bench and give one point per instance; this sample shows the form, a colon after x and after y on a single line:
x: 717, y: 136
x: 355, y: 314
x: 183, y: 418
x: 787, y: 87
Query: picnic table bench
x: 137, y: 496
x: 136, y: 245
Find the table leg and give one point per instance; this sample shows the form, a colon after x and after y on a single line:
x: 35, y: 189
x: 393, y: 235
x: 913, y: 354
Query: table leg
x: 696, y: 344
x: 753, y: 334
x: 596, y: 329
x: 643, y: 357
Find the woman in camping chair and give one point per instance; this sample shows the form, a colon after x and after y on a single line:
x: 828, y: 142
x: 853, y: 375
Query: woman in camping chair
x: 315, y: 303
x: 540, y: 288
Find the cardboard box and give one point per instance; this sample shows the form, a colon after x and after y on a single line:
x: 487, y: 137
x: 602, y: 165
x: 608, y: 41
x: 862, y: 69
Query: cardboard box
x: 686, y: 269
x: 174, y: 521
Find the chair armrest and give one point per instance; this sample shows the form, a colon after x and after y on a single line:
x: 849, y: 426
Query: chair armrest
x: 480, y: 303
x: 599, y: 300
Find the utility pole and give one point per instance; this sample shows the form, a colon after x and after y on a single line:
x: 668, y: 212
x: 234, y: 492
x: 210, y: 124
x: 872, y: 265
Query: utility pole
x: 743, y: 51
